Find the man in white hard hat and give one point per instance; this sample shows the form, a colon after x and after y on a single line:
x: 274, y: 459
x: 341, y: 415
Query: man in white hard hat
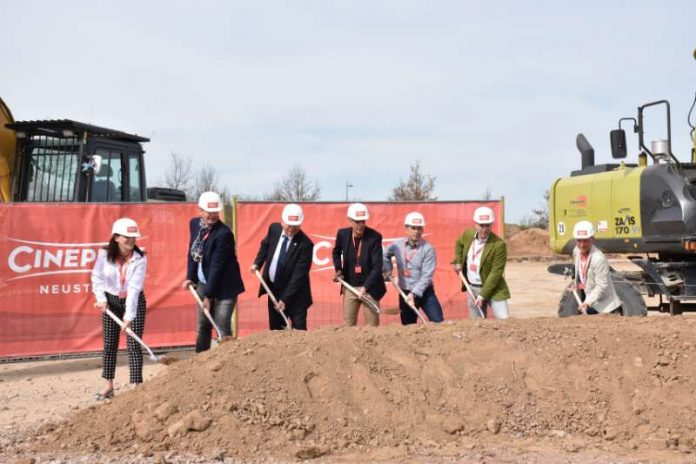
x: 415, y: 263
x: 213, y: 268
x: 286, y: 252
x: 482, y: 255
x: 357, y: 258
x: 592, y: 274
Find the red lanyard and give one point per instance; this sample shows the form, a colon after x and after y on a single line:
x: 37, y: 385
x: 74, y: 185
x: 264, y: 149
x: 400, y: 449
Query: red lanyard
x: 357, y: 250
x: 584, y: 268
x: 474, y: 251
x: 123, y: 268
x: 407, y: 258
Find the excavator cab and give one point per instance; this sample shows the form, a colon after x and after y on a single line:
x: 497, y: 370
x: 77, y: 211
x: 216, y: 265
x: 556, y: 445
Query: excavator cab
x: 69, y: 161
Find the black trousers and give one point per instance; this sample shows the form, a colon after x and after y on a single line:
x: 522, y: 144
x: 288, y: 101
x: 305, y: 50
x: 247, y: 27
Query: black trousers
x: 297, y: 316
x: 112, y: 335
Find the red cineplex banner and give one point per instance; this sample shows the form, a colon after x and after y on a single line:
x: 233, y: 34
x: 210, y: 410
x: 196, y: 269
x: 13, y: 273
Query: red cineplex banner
x: 445, y: 221
x: 48, y: 250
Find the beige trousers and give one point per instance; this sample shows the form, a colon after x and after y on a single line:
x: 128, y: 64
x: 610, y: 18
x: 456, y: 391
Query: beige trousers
x: 351, y: 305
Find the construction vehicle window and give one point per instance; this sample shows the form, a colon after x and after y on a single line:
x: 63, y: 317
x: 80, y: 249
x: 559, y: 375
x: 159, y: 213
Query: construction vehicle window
x: 134, y: 177
x: 107, y: 185
x: 51, y: 164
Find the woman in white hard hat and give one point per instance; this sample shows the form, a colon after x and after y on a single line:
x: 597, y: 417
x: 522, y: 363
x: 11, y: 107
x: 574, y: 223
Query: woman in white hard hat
x: 117, y: 283
x: 592, y: 276
x: 483, y: 255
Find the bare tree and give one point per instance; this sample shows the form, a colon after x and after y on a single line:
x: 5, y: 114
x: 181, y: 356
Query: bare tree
x: 418, y: 187
x: 207, y: 181
x: 295, y: 187
x: 539, y: 217
x: 179, y: 174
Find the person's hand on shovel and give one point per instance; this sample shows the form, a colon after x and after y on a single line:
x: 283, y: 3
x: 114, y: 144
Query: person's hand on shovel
x: 411, y: 299
x: 101, y: 305
x: 185, y: 284
x: 280, y: 306
x: 253, y: 268
x: 126, y: 325
x: 362, y: 293
x: 338, y: 275
x: 457, y: 267
x: 206, y: 304
x: 479, y: 301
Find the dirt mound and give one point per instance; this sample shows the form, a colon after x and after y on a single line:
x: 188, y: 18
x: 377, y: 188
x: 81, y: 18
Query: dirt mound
x: 607, y: 383
x: 529, y: 242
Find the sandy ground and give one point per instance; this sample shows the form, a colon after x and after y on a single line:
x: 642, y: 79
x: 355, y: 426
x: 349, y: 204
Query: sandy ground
x: 37, y: 393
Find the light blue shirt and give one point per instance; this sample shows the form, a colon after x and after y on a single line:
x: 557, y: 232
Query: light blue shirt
x: 421, y: 264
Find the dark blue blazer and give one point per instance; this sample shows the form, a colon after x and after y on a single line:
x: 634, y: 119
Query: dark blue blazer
x: 370, y: 258
x: 292, y: 283
x: 220, y: 265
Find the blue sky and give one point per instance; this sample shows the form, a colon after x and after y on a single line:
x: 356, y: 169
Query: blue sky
x: 486, y: 95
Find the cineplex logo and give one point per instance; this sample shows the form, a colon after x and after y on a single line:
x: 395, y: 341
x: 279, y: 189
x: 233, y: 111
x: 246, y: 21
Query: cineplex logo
x: 31, y: 259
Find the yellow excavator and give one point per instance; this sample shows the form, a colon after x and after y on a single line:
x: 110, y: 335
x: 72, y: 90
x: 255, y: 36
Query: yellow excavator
x: 69, y: 161
x: 646, y: 210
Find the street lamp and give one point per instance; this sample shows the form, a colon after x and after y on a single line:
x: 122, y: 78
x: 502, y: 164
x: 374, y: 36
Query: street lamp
x: 348, y: 185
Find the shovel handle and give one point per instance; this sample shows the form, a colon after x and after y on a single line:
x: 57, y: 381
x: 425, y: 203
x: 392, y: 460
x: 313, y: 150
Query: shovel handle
x: 369, y: 303
x: 473, y: 295
x: 272, y: 297
x: 130, y: 333
x: 403, y: 295
x: 205, y: 311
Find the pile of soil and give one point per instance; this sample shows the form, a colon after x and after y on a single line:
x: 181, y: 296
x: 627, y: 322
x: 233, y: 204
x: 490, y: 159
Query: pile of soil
x: 529, y: 243
x: 618, y: 385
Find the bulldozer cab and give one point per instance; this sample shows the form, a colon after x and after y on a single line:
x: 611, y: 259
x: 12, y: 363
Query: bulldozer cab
x: 69, y: 161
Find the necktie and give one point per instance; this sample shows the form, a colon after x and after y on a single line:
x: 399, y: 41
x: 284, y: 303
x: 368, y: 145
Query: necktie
x: 283, y: 253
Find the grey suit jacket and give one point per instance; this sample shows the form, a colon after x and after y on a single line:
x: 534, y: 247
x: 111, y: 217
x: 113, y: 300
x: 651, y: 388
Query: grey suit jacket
x: 599, y: 289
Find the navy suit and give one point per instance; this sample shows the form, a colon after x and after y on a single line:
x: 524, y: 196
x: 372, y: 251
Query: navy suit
x: 223, y: 279
x: 370, y: 258
x: 220, y: 265
x: 291, y: 284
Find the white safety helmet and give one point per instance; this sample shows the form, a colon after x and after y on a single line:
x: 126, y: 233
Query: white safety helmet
x: 414, y: 219
x: 358, y: 212
x: 210, y: 202
x: 293, y: 215
x: 583, y: 229
x: 484, y: 215
x: 126, y: 227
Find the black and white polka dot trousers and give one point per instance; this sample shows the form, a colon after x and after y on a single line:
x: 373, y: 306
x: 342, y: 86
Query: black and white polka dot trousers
x: 112, y: 333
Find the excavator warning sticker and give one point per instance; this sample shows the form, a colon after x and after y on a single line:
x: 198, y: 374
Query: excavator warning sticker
x: 602, y: 226
x: 561, y: 228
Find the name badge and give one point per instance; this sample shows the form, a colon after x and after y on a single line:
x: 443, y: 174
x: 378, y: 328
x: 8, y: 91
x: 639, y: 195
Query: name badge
x: 358, y: 269
x: 473, y: 267
x: 122, y: 294
x: 407, y: 272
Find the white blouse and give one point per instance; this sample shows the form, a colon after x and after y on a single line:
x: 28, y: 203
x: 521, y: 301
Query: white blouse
x: 106, y: 279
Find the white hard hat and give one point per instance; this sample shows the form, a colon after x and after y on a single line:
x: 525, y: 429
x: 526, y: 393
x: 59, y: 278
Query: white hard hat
x: 484, y: 215
x: 293, y: 215
x: 210, y: 202
x: 358, y: 212
x: 583, y: 229
x: 414, y: 219
x: 126, y: 227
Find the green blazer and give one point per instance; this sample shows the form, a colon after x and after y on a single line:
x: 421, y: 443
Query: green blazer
x: 492, y: 264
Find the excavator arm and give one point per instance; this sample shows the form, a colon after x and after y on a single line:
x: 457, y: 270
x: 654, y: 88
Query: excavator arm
x: 8, y: 142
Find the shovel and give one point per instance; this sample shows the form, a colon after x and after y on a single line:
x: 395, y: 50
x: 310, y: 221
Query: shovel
x: 163, y: 359
x: 206, y: 312
x: 367, y: 299
x: 403, y: 295
x: 274, y: 300
x: 473, y: 295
